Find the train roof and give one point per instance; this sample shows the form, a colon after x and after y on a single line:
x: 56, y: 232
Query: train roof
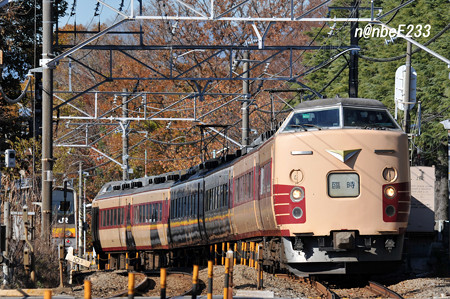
x: 340, y: 101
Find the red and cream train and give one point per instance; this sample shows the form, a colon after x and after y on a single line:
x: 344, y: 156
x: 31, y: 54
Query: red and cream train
x: 328, y: 192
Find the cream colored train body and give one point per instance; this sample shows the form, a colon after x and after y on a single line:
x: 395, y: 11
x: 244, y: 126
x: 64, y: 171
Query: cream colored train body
x: 328, y: 192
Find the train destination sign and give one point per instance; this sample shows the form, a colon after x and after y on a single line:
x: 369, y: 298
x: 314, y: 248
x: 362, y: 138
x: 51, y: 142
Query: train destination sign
x: 343, y: 184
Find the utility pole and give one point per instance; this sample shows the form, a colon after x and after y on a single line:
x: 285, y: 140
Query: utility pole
x: 124, y: 125
x: 245, y: 101
x: 353, y: 63
x: 47, y: 130
x: 407, y: 88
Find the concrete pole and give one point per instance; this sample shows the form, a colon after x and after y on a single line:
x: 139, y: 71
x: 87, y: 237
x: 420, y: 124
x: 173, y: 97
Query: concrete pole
x: 125, y: 135
x: 47, y: 130
x: 407, y: 88
x: 245, y: 102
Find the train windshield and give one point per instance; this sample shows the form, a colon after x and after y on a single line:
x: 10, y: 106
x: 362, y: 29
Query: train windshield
x: 338, y: 117
x: 61, y: 207
x: 313, y: 120
x: 368, y: 118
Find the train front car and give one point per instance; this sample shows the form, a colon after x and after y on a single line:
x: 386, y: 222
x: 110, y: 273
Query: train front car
x: 341, y: 186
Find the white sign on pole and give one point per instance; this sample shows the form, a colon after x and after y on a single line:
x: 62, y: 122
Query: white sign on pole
x: 399, y: 88
x: 75, y: 259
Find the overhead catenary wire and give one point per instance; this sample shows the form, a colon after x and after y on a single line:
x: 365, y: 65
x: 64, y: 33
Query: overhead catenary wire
x: 307, y: 72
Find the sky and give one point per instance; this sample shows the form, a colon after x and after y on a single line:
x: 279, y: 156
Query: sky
x: 85, y: 9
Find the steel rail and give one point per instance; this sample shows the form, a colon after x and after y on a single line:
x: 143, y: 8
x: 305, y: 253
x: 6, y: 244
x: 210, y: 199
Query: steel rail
x: 382, y: 290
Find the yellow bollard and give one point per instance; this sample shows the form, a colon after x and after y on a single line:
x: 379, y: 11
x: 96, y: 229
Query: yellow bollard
x: 245, y: 253
x: 215, y: 254
x: 130, y: 285
x: 227, y: 277
x: 163, y: 276
x: 87, y: 289
x: 195, y: 282
x: 252, y: 246
x: 223, y: 253
x: 235, y: 253
x: 126, y: 260
x: 256, y: 255
x: 230, y: 274
x: 210, y: 279
x: 48, y: 294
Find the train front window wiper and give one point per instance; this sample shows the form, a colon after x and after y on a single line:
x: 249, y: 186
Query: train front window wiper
x: 313, y: 126
x: 298, y: 126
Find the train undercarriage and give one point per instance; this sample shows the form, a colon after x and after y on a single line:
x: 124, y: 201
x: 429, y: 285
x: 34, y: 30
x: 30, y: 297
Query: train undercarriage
x: 301, y: 256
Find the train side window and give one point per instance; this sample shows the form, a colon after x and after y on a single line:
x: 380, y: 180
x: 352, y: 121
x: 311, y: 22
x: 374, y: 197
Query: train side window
x: 225, y: 195
x: 216, y: 201
x: 211, y: 200
x: 160, y: 212
x: 174, y: 209
x: 188, y: 206
x: 195, y: 204
x: 151, y: 212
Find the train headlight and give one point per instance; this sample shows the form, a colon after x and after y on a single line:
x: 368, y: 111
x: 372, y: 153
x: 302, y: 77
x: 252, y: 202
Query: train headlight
x: 297, y: 194
x: 297, y: 213
x: 390, y: 192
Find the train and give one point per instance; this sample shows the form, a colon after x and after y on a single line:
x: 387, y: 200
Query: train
x: 63, y: 227
x: 327, y: 192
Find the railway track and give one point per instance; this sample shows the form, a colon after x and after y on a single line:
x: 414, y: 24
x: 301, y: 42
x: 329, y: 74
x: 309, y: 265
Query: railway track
x: 382, y: 290
x: 371, y: 290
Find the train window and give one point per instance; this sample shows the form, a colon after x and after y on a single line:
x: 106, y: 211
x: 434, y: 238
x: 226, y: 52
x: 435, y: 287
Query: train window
x: 343, y: 184
x: 115, y: 217
x: 160, y: 212
x: 188, y: 206
x: 225, y: 197
x: 305, y: 121
x: 358, y: 117
x: 103, y: 219
x: 64, y: 206
x: 195, y: 204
